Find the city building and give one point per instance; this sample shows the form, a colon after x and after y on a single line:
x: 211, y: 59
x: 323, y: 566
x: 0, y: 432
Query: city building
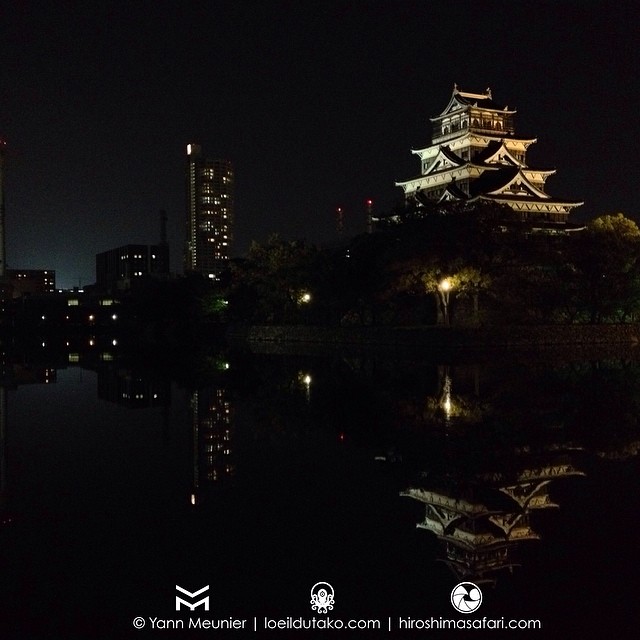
x: 5, y: 288
x: 475, y: 154
x: 3, y: 258
x: 28, y: 282
x: 119, y: 269
x: 210, y: 211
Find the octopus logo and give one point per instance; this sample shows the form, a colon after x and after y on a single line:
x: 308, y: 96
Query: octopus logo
x: 466, y: 597
x: 322, y: 597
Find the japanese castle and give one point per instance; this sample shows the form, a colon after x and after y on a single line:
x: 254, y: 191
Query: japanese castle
x: 481, y: 525
x: 475, y: 154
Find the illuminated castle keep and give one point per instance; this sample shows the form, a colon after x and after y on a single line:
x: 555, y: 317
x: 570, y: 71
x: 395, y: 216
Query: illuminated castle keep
x: 475, y: 154
x: 481, y: 521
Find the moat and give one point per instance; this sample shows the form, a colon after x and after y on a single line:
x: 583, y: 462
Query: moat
x: 391, y: 477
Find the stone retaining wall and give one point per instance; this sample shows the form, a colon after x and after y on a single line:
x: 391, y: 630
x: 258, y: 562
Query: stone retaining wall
x: 446, y: 337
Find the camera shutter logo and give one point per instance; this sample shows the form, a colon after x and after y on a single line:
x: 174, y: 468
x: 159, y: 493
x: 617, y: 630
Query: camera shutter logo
x: 466, y: 597
x: 195, y: 594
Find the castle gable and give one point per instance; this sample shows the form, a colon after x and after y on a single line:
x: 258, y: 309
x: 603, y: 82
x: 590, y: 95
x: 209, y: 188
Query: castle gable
x: 498, y: 153
x: 445, y: 160
x: 519, y: 186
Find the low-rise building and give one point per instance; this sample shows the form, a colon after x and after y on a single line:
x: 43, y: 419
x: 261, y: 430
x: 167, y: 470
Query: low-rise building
x: 24, y: 282
x: 119, y: 269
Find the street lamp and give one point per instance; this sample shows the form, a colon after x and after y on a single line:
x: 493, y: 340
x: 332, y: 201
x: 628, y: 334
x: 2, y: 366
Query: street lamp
x: 301, y: 298
x: 305, y: 380
x: 445, y: 287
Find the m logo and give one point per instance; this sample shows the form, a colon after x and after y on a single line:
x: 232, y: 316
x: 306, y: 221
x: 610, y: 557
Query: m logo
x: 193, y: 595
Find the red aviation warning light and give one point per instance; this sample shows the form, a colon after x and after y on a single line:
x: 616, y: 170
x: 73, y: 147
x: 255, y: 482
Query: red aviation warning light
x: 339, y: 221
x: 369, y: 204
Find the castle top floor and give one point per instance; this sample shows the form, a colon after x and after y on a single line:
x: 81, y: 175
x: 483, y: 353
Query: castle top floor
x: 472, y: 113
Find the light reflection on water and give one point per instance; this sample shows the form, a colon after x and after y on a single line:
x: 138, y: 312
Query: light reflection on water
x: 392, y: 480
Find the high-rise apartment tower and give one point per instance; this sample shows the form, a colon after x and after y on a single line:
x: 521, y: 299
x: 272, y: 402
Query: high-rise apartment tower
x: 3, y: 258
x: 210, y: 188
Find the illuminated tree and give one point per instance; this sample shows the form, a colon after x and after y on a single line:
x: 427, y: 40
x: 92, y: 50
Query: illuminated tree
x: 460, y: 245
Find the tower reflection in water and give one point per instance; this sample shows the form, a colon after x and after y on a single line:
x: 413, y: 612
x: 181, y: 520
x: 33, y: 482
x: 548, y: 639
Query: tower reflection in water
x: 212, y: 427
x: 12, y: 375
x: 3, y: 453
x: 480, y: 506
x: 210, y: 420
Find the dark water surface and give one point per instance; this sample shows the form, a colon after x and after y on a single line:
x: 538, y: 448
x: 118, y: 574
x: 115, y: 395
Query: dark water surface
x: 272, y: 473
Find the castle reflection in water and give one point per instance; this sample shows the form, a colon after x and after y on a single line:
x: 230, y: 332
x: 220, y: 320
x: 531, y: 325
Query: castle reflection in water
x: 480, y: 518
x: 501, y: 453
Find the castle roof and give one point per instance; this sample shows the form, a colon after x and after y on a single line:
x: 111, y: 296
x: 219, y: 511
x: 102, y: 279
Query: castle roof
x: 461, y: 99
x: 492, y: 180
x: 482, y: 100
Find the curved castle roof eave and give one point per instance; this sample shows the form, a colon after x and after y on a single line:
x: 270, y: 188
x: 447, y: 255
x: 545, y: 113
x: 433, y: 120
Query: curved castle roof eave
x: 546, y: 172
x: 466, y: 165
x: 509, y: 138
x: 507, y: 198
x: 423, y: 176
x: 465, y: 102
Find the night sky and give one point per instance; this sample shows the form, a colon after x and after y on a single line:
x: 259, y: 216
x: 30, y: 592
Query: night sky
x: 316, y: 103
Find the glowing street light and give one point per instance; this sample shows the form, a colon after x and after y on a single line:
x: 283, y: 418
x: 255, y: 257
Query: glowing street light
x: 302, y: 297
x: 446, y: 397
x: 444, y: 288
x: 305, y: 380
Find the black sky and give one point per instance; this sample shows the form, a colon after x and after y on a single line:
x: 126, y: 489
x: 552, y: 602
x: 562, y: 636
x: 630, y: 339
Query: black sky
x: 317, y: 104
